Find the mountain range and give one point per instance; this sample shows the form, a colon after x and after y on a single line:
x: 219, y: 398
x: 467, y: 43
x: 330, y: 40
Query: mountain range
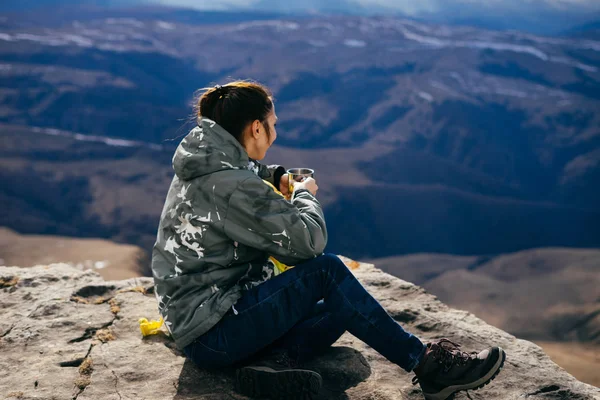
x: 533, y: 16
x: 425, y: 137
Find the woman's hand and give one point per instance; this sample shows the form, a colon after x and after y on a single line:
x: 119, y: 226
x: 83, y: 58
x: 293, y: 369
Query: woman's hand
x: 309, y: 184
x: 284, y: 187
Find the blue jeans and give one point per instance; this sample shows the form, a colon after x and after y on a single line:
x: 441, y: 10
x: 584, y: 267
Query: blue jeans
x: 305, y: 310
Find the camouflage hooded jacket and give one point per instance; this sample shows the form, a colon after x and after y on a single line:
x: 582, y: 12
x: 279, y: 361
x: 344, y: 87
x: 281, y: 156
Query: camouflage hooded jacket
x: 219, y: 225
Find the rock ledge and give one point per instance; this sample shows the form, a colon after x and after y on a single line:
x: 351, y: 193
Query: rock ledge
x: 68, y: 334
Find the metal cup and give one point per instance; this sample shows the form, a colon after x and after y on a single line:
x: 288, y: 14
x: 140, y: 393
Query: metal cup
x: 298, y: 175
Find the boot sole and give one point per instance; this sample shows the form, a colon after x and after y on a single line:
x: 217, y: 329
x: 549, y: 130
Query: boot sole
x: 296, y: 384
x: 449, y: 392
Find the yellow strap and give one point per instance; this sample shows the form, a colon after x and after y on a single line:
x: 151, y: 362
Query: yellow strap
x: 279, y: 266
x: 273, y: 187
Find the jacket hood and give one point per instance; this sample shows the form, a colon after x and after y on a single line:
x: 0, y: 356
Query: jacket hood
x: 206, y: 149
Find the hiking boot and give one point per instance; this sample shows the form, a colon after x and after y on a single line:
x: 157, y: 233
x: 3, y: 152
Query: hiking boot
x: 446, y: 370
x: 277, y: 377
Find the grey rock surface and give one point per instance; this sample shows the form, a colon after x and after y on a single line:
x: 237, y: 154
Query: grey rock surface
x: 68, y: 334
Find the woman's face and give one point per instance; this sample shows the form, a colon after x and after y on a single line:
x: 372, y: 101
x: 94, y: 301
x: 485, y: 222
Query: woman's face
x: 257, y: 141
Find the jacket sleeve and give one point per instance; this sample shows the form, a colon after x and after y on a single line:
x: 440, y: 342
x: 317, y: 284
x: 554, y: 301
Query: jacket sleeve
x: 292, y: 231
x: 271, y: 173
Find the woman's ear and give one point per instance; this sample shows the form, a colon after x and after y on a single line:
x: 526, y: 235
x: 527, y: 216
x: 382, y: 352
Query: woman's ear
x: 256, y: 128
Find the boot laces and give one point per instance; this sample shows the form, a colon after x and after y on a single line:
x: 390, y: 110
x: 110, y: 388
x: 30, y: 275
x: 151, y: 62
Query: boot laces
x: 447, y: 353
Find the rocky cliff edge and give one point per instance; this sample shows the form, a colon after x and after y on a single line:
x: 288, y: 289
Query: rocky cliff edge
x: 69, y: 334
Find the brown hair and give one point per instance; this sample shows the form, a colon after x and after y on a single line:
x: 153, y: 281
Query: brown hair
x: 235, y: 105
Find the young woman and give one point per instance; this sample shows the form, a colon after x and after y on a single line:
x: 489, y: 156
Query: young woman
x: 216, y: 289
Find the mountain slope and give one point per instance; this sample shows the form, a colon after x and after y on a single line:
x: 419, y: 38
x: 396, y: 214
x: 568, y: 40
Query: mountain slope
x: 110, y: 260
x: 95, y: 187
